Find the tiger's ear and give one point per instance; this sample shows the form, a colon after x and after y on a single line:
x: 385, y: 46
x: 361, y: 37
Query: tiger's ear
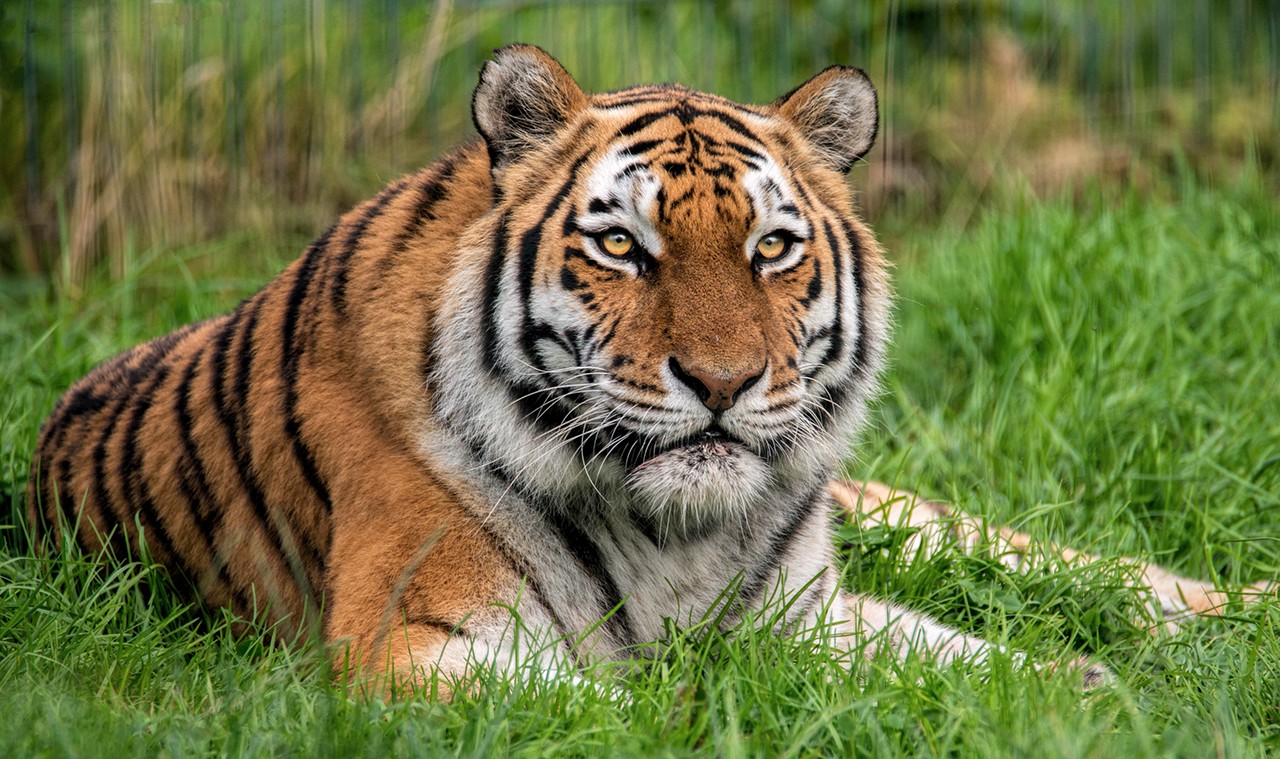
x: 836, y: 111
x: 523, y: 98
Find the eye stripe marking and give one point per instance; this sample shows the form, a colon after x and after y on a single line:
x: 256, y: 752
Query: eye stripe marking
x: 598, y: 205
x: 640, y: 148
x: 492, y: 288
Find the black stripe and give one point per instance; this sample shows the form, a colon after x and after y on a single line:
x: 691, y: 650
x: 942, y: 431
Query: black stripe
x: 291, y: 356
x: 803, y: 605
x: 837, y: 326
x: 643, y: 386
x: 542, y: 331
x: 127, y: 377
x: 448, y: 628
x: 342, y: 261
x: 194, y: 483
x: 859, y: 283
x: 66, y: 496
x: 49, y: 495
x: 521, y: 567
x: 666, y: 208
x: 243, y: 345
x: 642, y: 121
x: 137, y: 489
x: 81, y: 401
x: 492, y: 289
x: 647, y: 527
x: 238, y: 440
x: 589, y: 558
x: 815, y: 285
x: 642, y: 147
x: 434, y: 189
x: 779, y: 544
x: 529, y: 244
x: 54, y: 477
x: 831, y: 398
x: 687, y: 112
x: 745, y: 150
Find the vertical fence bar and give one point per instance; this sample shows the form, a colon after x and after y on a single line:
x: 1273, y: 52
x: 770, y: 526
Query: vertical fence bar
x: 30, y: 101
x: 274, y: 55
x: 1203, y: 66
x: 190, y: 110
x: 149, y: 61
x: 391, y: 43
x: 355, y: 71
x: 109, y: 241
x: 1128, y: 62
x: 1164, y: 46
x: 70, y: 93
x: 1089, y: 56
x: 1239, y: 41
x: 1273, y: 38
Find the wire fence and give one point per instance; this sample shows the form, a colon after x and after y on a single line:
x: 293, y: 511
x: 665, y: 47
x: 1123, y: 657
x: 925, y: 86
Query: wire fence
x: 136, y: 124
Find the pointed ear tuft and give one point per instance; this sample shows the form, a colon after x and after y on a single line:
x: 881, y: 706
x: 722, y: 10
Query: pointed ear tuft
x: 836, y: 111
x: 523, y: 98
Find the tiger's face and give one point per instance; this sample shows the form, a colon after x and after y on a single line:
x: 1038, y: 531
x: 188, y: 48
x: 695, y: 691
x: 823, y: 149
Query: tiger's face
x: 681, y: 311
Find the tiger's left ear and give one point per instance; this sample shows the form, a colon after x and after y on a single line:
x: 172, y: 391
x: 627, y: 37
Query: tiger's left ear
x: 523, y: 98
x: 836, y: 111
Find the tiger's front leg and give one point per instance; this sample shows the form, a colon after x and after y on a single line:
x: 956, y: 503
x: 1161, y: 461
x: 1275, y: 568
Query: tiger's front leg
x: 1172, y: 598
x: 415, y: 586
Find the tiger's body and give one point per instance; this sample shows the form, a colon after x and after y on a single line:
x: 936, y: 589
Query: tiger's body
x: 599, y: 364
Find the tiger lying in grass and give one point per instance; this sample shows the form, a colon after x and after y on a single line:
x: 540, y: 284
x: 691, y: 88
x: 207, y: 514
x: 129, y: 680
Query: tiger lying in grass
x: 599, y: 364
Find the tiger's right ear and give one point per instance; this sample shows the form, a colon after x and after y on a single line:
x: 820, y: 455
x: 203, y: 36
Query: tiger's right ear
x: 523, y: 98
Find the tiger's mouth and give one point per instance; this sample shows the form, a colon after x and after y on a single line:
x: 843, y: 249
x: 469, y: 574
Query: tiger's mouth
x: 700, y: 479
x: 712, y: 443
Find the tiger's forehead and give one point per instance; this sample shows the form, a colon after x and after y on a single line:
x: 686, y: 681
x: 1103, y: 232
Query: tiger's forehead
x: 672, y: 110
x: 677, y: 152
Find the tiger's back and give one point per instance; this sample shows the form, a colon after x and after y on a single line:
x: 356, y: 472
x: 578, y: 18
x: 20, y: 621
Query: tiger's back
x: 218, y: 441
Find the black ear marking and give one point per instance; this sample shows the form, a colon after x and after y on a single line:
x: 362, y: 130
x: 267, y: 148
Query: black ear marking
x: 837, y: 112
x: 523, y: 98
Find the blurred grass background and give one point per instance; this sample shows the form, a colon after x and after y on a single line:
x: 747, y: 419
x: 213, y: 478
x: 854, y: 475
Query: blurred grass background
x: 138, y: 125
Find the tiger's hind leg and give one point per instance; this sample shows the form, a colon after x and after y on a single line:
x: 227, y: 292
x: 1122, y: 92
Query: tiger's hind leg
x: 901, y: 631
x: 1171, y: 598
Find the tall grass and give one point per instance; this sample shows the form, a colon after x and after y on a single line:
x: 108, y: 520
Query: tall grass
x: 1097, y: 373
x: 165, y: 123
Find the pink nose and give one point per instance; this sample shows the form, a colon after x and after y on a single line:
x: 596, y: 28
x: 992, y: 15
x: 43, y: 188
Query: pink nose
x: 717, y: 391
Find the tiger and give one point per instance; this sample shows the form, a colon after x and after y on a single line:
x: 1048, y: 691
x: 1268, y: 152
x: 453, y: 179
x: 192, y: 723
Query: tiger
x: 590, y: 369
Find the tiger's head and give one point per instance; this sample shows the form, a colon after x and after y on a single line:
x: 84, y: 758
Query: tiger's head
x: 671, y: 304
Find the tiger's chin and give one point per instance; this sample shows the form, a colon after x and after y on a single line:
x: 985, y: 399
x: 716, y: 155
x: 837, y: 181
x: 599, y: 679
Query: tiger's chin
x: 690, y: 488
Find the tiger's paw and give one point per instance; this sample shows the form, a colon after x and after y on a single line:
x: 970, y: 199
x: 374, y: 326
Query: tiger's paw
x: 1089, y: 674
x: 1175, y: 600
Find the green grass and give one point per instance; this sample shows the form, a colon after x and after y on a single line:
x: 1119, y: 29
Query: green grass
x: 1106, y: 376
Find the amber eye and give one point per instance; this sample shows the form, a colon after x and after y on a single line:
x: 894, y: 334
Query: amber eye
x: 616, y: 242
x: 772, y: 246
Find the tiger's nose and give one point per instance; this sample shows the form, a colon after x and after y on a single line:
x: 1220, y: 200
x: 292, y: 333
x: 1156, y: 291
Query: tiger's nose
x: 717, y: 391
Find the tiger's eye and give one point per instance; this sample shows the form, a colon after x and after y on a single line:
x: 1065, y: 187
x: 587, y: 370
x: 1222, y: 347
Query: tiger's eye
x: 772, y: 246
x: 617, y: 242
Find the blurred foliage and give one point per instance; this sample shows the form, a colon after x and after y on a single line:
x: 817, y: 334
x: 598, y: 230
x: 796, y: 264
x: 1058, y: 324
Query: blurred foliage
x: 138, y: 124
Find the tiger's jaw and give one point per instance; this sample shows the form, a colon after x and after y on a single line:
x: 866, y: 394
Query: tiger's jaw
x: 706, y: 481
